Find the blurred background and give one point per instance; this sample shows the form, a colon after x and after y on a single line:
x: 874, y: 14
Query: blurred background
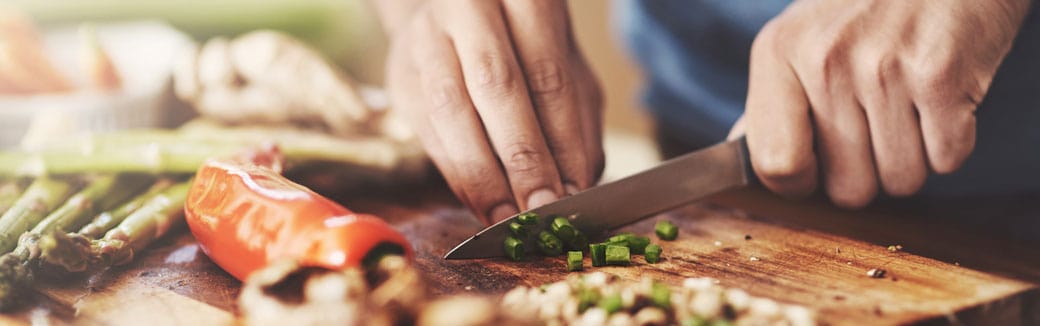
x: 348, y: 33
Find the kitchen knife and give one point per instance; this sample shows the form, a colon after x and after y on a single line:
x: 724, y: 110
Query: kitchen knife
x: 599, y: 209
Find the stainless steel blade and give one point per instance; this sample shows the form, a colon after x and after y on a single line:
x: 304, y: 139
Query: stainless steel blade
x: 669, y: 185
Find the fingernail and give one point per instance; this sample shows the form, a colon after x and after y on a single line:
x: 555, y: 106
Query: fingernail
x: 502, y: 212
x: 570, y: 188
x: 541, y: 197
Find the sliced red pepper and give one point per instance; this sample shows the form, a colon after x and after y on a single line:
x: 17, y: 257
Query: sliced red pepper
x: 245, y: 216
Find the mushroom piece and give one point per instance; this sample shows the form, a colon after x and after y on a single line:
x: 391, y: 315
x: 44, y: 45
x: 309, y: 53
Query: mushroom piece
x: 270, y: 77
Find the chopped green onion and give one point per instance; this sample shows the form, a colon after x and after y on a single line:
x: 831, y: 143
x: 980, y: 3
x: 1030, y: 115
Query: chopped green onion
x: 621, y: 237
x: 518, y: 230
x: 527, y: 218
x: 598, y: 252
x: 617, y: 243
x: 574, y: 261
x: 549, y: 244
x: 562, y: 227
x: 617, y: 255
x: 666, y: 230
x: 660, y: 295
x: 635, y: 243
x: 587, y: 298
x: 580, y: 241
x: 514, y: 248
x: 611, y: 303
x: 638, y: 244
x: 652, y: 254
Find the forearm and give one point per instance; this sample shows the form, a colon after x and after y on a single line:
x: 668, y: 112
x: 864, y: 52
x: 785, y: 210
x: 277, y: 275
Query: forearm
x: 394, y: 13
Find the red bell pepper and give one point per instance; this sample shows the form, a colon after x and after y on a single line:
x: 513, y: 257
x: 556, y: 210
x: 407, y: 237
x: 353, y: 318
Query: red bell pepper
x: 245, y: 215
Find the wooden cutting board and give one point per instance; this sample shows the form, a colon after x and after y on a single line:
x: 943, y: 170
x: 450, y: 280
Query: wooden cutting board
x: 805, y: 253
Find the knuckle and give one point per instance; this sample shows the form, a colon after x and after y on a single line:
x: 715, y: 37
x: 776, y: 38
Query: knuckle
x: 547, y: 78
x: 523, y: 160
x: 824, y: 61
x: 446, y: 96
x: 936, y: 86
x: 884, y: 70
x: 494, y: 74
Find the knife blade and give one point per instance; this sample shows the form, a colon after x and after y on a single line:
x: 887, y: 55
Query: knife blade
x: 599, y: 209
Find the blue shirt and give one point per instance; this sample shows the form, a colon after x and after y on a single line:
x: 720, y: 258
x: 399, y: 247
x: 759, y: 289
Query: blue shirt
x: 695, y: 55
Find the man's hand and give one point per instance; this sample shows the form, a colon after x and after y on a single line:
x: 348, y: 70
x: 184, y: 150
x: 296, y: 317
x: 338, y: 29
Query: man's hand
x: 500, y: 96
x: 864, y: 92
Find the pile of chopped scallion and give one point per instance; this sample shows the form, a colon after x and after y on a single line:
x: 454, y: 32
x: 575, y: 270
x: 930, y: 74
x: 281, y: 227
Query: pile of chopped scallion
x: 562, y: 237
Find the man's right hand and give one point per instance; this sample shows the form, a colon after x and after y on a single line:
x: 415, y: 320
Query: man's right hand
x: 500, y: 96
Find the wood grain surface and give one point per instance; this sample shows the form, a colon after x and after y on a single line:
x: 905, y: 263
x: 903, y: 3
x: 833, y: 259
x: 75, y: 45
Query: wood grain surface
x: 805, y: 253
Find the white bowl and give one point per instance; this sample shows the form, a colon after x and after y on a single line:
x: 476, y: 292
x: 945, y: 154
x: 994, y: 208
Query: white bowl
x: 143, y: 52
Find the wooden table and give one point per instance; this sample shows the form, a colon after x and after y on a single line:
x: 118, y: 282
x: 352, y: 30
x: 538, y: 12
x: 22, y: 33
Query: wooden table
x: 806, y: 253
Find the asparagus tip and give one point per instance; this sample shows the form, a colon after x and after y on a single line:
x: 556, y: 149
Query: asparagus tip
x: 14, y: 277
x: 71, y: 252
x: 113, y: 252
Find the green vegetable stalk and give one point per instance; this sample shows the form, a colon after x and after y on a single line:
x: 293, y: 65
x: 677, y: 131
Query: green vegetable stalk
x: 549, y: 244
x: 563, y: 229
x: 598, y: 253
x: 574, y: 259
x: 102, y: 193
x: 42, y: 196
x: 666, y: 230
x: 110, y: 219
x: 636, y: 244
x: 617, y: 255
x: 75, y: 252
x: 15, y: 276
x: 528, y: 219
x: 652, y: 254
x: 9, y: 193
x: 518, y: 230
x: 514, y: 248
x: 182, y: 152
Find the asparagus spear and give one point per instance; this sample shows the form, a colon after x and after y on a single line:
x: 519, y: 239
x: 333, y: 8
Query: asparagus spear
x: 42, y: 196
x: 183, y: 158
x: 177, y: 152
x: 110, y: 219
x: 75, y: 252
x: 9, y: 193
x: 14, y: 278
x: 15, y: 272
x: 102, y: 193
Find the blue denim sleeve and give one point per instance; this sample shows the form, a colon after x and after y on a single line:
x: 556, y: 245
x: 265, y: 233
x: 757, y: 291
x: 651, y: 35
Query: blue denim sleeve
x: 695, y: 53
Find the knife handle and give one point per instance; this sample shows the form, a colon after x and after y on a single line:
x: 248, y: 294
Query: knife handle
x: 749, y: 171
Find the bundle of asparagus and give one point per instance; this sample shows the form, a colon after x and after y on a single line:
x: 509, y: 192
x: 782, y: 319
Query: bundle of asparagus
x: 112, y: 224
